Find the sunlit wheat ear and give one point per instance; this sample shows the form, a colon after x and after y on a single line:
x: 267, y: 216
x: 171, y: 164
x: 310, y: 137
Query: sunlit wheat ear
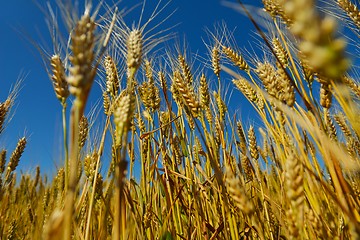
x: 185, y: 69
x: 11, y: 230
x: 106, y: 103
x: 162, y: 80
x: 215, y: 60
x: 221, y: 105
x: 287, y: 92
x: 4, y: 109
x: 236, y: 58
x: 351, y: 10
x: 37, y: 175
x: 123, y: 115
x: 316, y: 224
x: 254, y: 153
x: 149, y: 70
x: 134, y: 47
x: 60, y: 186
x: 15, y: 158
x: 60, y: 84
x: 319, y: 47
x: 244, y: 87
x: 329, y: 124
x: 325, y: 95
x: 280, y: 52
x: 83, y: 131
x: 241, y: 135
x: 294, y: 178
x: 2, y: 161
x: 7, y: 104
x: 204, y: 92
x: 149, y: 93
x: 247, y: 167
x: 308, y: 73
x: 237, y: 193
x: 81, y: 72
x: 186, y: 92
x: 275, y: 9
x: 90, y: 165
x: 112, y: 77
x: 352, y: 84
x: 342, y: 122
x: 53, y: 227
x: 205, y: 97
x: 267, y: 75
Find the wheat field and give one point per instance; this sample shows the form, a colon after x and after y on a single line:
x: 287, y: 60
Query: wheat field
x: 182, y: 165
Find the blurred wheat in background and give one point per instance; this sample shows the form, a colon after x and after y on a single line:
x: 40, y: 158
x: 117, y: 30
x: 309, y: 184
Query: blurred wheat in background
x: 182, y: 165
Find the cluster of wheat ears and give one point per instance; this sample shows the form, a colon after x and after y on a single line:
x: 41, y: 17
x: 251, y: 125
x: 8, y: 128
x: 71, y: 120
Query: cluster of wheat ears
x: 164, y: 159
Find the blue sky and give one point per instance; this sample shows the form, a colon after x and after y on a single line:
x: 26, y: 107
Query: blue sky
x: 37, y: 111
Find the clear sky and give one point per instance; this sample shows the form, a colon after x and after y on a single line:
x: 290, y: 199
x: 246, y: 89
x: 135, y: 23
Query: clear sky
x: 37, y: 111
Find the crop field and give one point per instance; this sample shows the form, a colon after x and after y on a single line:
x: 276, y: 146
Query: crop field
x: 163, y: 157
